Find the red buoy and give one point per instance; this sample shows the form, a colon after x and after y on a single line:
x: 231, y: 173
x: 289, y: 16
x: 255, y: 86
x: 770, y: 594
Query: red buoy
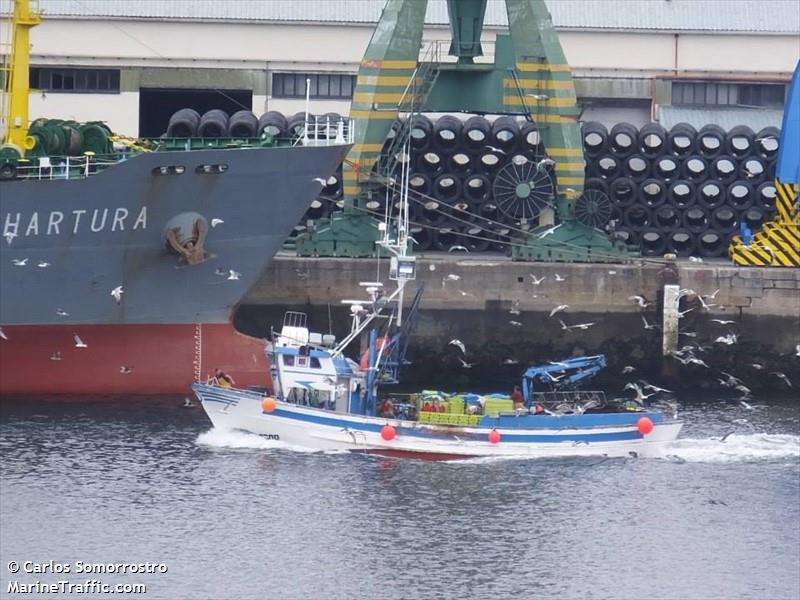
x: 268, y: 404
x: 388, y: 432
x: 644, y: 425
x: 494, y: 436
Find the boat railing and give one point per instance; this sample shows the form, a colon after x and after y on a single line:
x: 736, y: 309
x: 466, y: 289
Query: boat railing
x: 324, y: 131
x: 555, y: 398
x: 67, y: 167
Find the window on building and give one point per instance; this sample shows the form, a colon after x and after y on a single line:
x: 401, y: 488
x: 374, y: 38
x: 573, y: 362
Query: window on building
x: 59, y: 79
x: 322, y: 85
x: 715, y: 93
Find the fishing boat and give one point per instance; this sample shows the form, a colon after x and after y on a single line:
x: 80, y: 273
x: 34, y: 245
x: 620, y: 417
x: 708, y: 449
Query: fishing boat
x: 324, y: 400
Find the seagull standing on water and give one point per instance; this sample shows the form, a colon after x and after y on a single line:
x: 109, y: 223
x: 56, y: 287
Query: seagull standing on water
x: 79, y: 343
x: 233, y: 275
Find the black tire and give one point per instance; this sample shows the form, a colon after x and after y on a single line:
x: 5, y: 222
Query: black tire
x: 421, y: 184
x: 447, y: 134
x: 627, y: 235
x: 447, y: 237
x: 463, y: 211
x: 596, y: 183
x: 623, y: 192
x: 333, y: 187
x: 505, y: 134
x: 652, y: 140
x: 213, y: 124
x: 595, y: 138
x: 739, y: 141
x: 681, y: 242
x: 318, y: 209
x: 666, y: 218
x: 740, y: 195
x: 652, y: 242
x: 754, y: 170
x: 447, y: 188
x: 432, y: 212
x: 754, y: 217
x: 490, y: 162
x: 681, y: 193
x: 666, y: 167
x: 183, y: 123
x: 694, y: 168
x: 638, y: 217
x: 637, y: 167
x: 653, y: 192
x: 242, y: 124
x: 766, y: 193
x: 421, y: 133
x: 711, y: 244
x: 461, y: 163
x: 608, y: 166
x: 724, y: 220
x: 422, y: 238
x: 297, y: 123
x: 696, y: 219
x: 623, y: 139
x: 682, y: 140
x: 767, y: 143
x: 431, y: 163
x: 723, y: 168
x: 273, y: 123
x: 710, y: 141
x: 477, y: 188
x: 475, y: 238
x: 710, y: 195
x: 530, y: 140
x: 475, y: 134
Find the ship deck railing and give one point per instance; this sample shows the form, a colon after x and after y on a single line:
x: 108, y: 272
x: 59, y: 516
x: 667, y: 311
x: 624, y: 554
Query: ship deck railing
x: 68, y: 167
x: 324, y: 131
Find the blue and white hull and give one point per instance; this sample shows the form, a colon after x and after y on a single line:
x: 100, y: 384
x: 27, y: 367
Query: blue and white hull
x: 597, y: 434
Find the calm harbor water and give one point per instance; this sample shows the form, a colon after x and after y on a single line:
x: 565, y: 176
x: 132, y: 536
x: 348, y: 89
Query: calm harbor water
x: 234, y: 516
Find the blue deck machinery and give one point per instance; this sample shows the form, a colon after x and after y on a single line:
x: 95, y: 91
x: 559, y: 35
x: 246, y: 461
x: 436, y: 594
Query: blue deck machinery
x: 570, y: 371
x: 529, y: 78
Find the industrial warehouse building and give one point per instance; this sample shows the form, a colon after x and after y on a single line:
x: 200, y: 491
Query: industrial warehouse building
x: 132, y: 64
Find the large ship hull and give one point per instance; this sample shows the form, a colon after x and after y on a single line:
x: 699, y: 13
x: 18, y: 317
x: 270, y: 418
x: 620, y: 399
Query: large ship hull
x: 126, y: 359
x: 68, y: 243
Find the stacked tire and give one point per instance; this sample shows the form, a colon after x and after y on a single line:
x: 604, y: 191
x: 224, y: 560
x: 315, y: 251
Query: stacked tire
x: 684, y: 191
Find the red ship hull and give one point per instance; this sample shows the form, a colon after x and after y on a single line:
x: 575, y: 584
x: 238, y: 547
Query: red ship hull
x: 43, y: 360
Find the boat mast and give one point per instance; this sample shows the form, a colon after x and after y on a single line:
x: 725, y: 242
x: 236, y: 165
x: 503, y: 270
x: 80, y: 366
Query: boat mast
x: 16, y: 76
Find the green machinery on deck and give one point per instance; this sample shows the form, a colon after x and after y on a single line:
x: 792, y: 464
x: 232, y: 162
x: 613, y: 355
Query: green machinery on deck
x: 529, y: 78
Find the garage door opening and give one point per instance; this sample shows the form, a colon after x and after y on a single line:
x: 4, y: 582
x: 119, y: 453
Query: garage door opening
x: 156, y: 106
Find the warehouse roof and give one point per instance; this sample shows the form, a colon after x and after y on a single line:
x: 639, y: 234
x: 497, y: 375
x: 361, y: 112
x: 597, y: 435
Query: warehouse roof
x: 771, y: 16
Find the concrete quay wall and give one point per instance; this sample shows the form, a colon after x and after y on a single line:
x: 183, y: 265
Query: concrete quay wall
x: 494, y: 306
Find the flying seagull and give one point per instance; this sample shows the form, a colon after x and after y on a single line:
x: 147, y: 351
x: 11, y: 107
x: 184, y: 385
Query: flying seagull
x: 79, y: 343
x: 558, y: 309
x: 560, y: 278
x: 125, y: 370
x: 43, y: 265
x: 628, y: 369
x: 117, y: 293
x: 320, y: 180
x: 726, y: 339
x: 722, y: 321
x: 782, y: 377
x: 465, y: 364
x: 3, y: 334
x: 648, y: 325
x: 514, y: 310
x: 233, y: 275
x: 215, y: 222
x: 640, y: 300
x: 536, y: 281
x: 61, y: 312
x: 516, y: 323
x: 20, y: 262
x: 547, y: 232
x: 458, y: 344
x: 55, y: 356
x: 493, y: 149
x: 458, y: 248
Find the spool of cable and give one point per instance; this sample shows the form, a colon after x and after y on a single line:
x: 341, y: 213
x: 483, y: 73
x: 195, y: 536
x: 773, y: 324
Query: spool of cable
x: 710, y: 195
x: 432, y: 213
x: 446, y: 188
x: 652, y: 140
x: 694, y: 168
x: 595, y: 138
x: 462, y: 211
x: 627, y: 235
x: 637, y: 217
x: 447, y: 134
x: 272, y: 123
x: 681, y: 242
x: 213, y: 124
x: 724, y: 219
x: 505, y: 133
x: 477, y: 188
x: 637, y: 167
x: 475, y: 134
x: 710, y: 140
x: 695, y: 219
x: 767, y: 142
x: 622, y: 139
x: 622, y: 191
x: 723, y: 168
x: 608, y: 166
x: 666, y: 167
x: 681, y: 140
x: 297, y: 123
x: 740, y: 195
x: 430, y: 163
x: 333, y: 186
x: 666, y: 218
x: 182, y: 124
x: 318, y: 209
x: 681, y: 193
x: 739, y: 141
x: 753, y: 169
x: 652, y: 242
x: 711, y: 244
x: 446, y: 238
x: 652, y: 192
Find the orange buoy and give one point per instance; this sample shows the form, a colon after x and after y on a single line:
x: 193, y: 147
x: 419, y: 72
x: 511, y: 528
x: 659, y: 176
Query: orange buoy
x: 268, y: 404
x: 494, y: 436
x: 644, y: 425
x: 388, y: 432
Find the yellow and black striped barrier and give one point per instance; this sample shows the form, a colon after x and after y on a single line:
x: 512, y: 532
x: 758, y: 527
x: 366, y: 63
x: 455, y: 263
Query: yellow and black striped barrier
x: 777, y: 243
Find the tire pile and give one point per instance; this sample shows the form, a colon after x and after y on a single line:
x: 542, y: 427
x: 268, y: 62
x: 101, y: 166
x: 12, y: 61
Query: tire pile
x: 682, y: 191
